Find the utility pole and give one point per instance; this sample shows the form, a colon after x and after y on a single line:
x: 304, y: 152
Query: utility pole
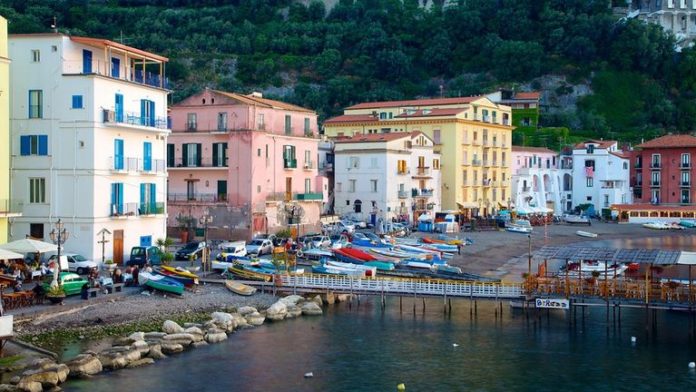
x: 103, y: 233
x: 529, y: 259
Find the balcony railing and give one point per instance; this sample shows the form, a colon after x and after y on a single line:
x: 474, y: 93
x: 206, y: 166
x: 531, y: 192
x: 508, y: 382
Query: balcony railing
x: 133, y: 164
x: 403, y: 195
x: 638, y: 165
x: 290, y: 163
x: 191, y: 126
x: 203, y: 162
x: 104, y: 68
x: 655, y: 183
x: 422, y: 171
x: 123, y: 210
x: 404, y: 170
x: 308, y: 165
x: 685, y: 184
x: 476, y: 162
x: 111, y: 117
x: 421, y: 192
x: 655, y: 165
x: 11, y: 207
x: 486, y: 143
x: 487, y: 182
x: 152, y: 208
x: 197, y: 197
x: 685, y: 165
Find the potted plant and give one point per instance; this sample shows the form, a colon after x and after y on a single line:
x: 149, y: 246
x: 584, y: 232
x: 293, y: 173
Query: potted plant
x: 109, y: 265
x: 56, y: 294
x: 186, y: 224
x: 167, y: 258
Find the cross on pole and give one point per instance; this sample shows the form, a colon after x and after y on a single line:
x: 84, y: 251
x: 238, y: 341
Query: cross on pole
x: 103, y: 233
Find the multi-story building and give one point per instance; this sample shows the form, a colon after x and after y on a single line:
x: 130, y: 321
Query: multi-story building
x: 524, y: 106
x: 325, y: 163
x: 600, y: 175
x: 89, y: 129
x: 538, y: 181
x: 661, y: 170
x: 472, y: 134
x: 7, y: 208
x: 676, y: 16
x: 247, y: 161
x: 394, y: 175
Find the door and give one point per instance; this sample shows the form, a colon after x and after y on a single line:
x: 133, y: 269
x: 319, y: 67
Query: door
x: 115, y: 67
x: 86, y: 61
x: 222, y: 190
x: 118, y: 247
x: 288, y: 188
x: 190, y: 190
x: 118, y: 107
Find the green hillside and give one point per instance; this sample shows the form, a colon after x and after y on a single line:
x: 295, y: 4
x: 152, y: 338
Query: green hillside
x: 391, y: 49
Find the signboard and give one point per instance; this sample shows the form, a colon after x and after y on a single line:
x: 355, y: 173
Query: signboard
x: 6, y: 326
x: 552, y: 303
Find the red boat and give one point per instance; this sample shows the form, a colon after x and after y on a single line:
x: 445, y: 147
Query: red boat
x: 351, y: 255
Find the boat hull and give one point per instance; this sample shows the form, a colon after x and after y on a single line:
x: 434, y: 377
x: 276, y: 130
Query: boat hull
x: 239, y: 288
x: 249, y: 275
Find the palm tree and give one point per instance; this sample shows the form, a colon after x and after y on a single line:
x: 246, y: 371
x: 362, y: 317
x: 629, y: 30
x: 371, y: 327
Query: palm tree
x: 164, y: 243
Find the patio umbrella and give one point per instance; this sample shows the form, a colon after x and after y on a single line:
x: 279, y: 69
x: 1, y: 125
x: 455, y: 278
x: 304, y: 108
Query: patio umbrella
x: 9, y: 255
x: 29, y: 246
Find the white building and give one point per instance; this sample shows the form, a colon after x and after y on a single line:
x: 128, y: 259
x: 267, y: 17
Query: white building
x: 325, y: 163
x: 389, y: 175
x: 537, y: 180
x: 89, y: 129
x: 600, y: 173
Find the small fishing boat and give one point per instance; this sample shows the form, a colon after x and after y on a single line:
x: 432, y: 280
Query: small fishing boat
x: 243, y: 273
x: 447, y: 269
x: 577, y: 219
x: 182, y: 275
x: 399, y: 254
x: 239, y: 288
x: 161, y: 283
x: 380, y: 265
x: 314, y: 253
x: 586, y: 234
x: 418, y: 264
x: 657, y: 225
x: 329, y: 270
x: 442, y: 247
x: 689, y: 224
x: 519, y: 226
x: 366, y: 269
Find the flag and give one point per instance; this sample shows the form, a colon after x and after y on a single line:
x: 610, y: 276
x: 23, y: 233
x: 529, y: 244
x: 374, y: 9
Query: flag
x: 589, y: 171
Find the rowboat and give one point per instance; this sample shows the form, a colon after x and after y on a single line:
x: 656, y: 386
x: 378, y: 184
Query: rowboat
x: 380, y: 265
x: 244, y: 273
x: 366, y: 269
x: 399, y: 254
x: 325, y: 269
x: 418, y: 264
x: 577, y: 219
x: 442, y: 247
x: 519, y: 226
x: 657, y: 225
x: 447, y: 269
x: 161, y: 283
x: 689, y: 224
x: 239, y: 288
x: 586, y: 234
x: 182, y: 275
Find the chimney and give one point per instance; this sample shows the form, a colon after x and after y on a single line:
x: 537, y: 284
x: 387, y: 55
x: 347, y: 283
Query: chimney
x: 256, y: 94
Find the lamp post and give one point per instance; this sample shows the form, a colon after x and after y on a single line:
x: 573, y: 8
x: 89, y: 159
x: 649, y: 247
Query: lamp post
x: 59, y: 235
x: 529, y: 258
x: 205, y: 220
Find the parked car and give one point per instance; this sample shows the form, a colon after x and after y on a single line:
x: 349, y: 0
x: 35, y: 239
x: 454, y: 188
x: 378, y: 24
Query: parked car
x: 321, y: 241
x: 272, y: 237
x: 190, y: 251
x: 341, y: 227
x: 76, y: 263
x: 235, y: 248
x: 141, y: 255
x: 260, y: 247
x: 72, y: 283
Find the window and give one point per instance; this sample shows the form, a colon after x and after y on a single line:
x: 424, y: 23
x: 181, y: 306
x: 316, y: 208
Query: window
x: 77, y: 102
x: 37, y: 190
x: 33, y: 145
x: 383, y: 115
x: 308, y: 158
x: 656, y: 160
x: 625, y: 165
x: 307, y: 129
x: 354, y: 163
x: 308, y: 185
x: 36, y: 230
x: 148, y: 199
x: 219, y: 154
x: 288, y: 125
x: 590, y: 182
x: 436, y: 164
x: 116, y: 199
x: 606, y: 201
x: 357, y: 206
x: 115, y: 67
x: 191, y: 122
x: 170, y: 155
x: 351, y: 186
x: 685, y: 178
x: 147, y: 112
x: 655, y: 178
x: 191, y: 154
x: 685, y: 196
x: 373, y: 186
x: 590, y: 148
x: 222, y: 122
x: 260, y: 121
x: 401, y: 166
x: 339, y: 187
x: 118, y: 154
x: 436, y: 136
x: 35, y: 56
x: 655, y: 199
x: 147, y: 156
x: 35, y: 103
x: 686, y: 160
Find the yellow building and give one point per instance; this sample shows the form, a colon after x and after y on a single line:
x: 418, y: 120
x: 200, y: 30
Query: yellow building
x: 5, y: 205
x: 473, y: 135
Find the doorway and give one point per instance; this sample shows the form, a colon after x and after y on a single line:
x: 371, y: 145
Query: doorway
x: 288, y: 188
x: 118, y: 247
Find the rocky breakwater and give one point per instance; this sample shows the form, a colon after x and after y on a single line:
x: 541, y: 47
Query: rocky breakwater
x: 144, y: 348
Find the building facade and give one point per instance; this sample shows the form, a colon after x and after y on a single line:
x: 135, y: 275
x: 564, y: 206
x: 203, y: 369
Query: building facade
x: 676, y: 16
x: 524, y: 106
x: 538, y: 180
x: 247, y: 161
x: 387, y: 176
x: 600, y: 173
x: 89, y: 129
x: 472, y: 134
x: 661, y: 170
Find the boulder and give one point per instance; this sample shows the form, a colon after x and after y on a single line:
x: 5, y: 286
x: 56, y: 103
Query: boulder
x: 293, y: 311
x: 155, y: 352
x: 116, y: 358
x: 311, y: 309
x: 215, y: 337
x: 291, y: 299
x: 170, y: 326
x: 199, y: 344
x: 137, y: 336
x: 29, y: 386
x: 141, y: 362
x: 154, y: 335
x: 123, y: 341
x: 330, y: 298
x: 84, y: 365
x: 189, y: 325
x: 46, y: 374
x: 343, y: 297
x: 317, y: 300
x: 14, y: 380
x: 141, y: 346
x: 15, y: 388
x: 214, y: 330
x: 193, y: 330
x: 244, y: 310
x: 221, y: 317
x: 255, y: 319
x: 183, y: 339
x: 240, y: 321
x: 277, y: 311
x: 171, y: 348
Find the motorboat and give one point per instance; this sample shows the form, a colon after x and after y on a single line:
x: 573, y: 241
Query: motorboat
x: 519, y: 226
x: 689, y: 224
x: 367, y: 270
x: 586, y: 234
x: 161, y: 283
x: 577, y: 219
x: 657, y: 225
x: 314, y: 253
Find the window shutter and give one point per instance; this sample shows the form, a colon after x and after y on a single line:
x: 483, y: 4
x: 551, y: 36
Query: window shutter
x: 147, y: 156
x: 198, y: 154
x: 224, y: 154
x: 24, y: 145
x: 114, y: 189
x: 170, y: 155
x: 152, y: 113
x: 142, y: 112
x: 215, y: 154
x: 43, y: 144
x: 143, y: 208
x: 184, y: 159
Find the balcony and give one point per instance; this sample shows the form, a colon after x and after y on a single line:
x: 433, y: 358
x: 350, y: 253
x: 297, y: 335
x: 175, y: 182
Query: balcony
x: 685, y: 184
x: 290, y: 163
x: 421, y: 192
x: 309, y: 196
x: 191, y: 126
x: 422, y: 172
x: 10, y: 208
x: 486, y: 143
x: 506, y: 121
x: 123, y: 210
x: 655, y: 165
x: 654, y: 183
x: 327, y: 167
x: 685, y: 165
x: 196, y: 197
x: 476, y: 162
x: 486, y: 163
x: 104, y: 68
x: 133, y: 119
x: 308, y: 165
x: 476, y: 142
x: 403, y: 195
x: 494, y: 163
x: 208, y: 162
x: 487, y: 182
x: 139, y: 165
x: 155, y: 166
x: 403, y: 171
x: 153, y: 208
x: 566, y: 165
x: 638, y: 165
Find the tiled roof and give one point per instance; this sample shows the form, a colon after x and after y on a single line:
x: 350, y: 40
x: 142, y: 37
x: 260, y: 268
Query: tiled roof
x: 652, y: 207
x: 602, y: 143
x: 670, y: 141
x: 528, y: 95
x: 100, y: 42
x: 541, y: 150
x: 374, y: 137
x: 414, y: 102
x: 347, y: 118
x: 432, y: 113
x: 271, y: 103
x: 619, y: 154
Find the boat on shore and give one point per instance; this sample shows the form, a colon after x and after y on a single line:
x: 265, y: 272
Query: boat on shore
x: 689, y: 224
x: 161, y: 283
x: 180, y: 274
x: 577, y: 219
x: 243, y: 273
x: 586, y: 234
x: 239, y: 288
x: 657, y: 225
x: 519, y: 226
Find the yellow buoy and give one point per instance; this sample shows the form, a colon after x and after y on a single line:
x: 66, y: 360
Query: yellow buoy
x: 401, y: 387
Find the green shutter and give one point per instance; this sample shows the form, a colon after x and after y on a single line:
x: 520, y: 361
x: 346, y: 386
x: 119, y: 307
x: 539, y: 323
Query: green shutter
x: 215, y: 155
x: 184, y: 155
x: 198, y: 154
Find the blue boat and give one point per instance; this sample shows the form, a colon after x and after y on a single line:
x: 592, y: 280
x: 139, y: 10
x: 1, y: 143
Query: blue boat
x: 360, y: 239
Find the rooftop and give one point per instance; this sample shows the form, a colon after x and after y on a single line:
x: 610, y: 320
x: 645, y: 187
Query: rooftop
x: 347, y: 118
x: 539, y: 150
x: 670, y: 141
x: 532, y: 95
x: 377, y: 137
x: 415, y: 102
x: 602, y: 143
x: 431, y: 113
x: 255, y: 99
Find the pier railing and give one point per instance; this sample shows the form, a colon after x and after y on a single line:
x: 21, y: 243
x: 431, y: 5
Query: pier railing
x: 400, y: 286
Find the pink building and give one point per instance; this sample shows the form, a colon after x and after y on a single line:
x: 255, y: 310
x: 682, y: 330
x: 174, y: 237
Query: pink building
x: 248, y: 161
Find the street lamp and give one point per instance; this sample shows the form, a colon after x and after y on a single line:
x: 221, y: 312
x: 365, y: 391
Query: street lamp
x: 59, y: 235
x: 529, y: 259
x: 205, y: 220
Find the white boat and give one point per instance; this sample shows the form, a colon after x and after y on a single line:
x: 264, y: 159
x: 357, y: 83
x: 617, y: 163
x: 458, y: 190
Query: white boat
x: 366, y: 270
x: 657, y: 225
x: 519, y: 226
x: 418, y: 264
x: 586, y: 268
x: 586, y: 234
x: 577, y: 219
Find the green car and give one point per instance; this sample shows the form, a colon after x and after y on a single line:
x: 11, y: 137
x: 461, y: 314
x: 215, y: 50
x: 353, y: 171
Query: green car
x: 72, y: 283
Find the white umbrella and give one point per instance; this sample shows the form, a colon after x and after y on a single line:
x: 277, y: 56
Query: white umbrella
x: 9, y: 255
x: 29, y: 246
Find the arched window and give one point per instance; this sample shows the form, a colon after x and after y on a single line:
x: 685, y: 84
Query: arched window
x: 357, y: 206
